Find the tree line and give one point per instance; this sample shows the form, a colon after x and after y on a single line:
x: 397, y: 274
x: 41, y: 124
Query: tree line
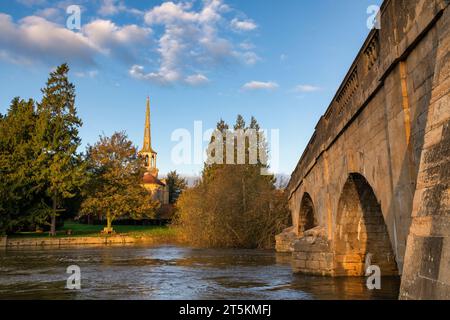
x: 44, y: 176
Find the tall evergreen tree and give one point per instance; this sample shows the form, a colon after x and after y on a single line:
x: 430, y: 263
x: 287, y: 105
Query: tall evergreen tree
x: 18, y: 195
x: 240, y: 123
x: 254, y: 124
x: 176, y: 185
x: 58, y: 167
x: 221, y: 128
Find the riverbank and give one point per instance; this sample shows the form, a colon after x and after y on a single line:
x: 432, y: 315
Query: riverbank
x: 79, y: 234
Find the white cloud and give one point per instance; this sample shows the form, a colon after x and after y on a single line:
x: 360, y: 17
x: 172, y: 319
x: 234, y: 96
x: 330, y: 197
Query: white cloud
x: 113, y: 7
x: 259, y: 85
x: 243, y: 25
x: 196, y: 79
x: 170, y: 13
x: 191, y: 37
x: 105, y: 32
x: 109, y: 7
x: 249, y: 57
x: 86, y: 74
x: 306, y: 88
x: 137, y: 72
x: 35, y: 39
x: 187, y: 35
x: 50, y: 14
x: 116, y: 40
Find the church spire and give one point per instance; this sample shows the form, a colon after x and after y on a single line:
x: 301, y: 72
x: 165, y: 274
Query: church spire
x: 147, y: 152
x: 147, y: 147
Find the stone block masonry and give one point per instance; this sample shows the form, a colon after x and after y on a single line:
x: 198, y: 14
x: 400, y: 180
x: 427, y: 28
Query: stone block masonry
x: 87, y: 241
x: 3, y: 241
x: 312, y: 257
x: 375, y: 176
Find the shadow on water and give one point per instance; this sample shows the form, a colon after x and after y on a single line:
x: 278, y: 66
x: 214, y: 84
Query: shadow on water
x: 353, y: 288
x: 170, y: 272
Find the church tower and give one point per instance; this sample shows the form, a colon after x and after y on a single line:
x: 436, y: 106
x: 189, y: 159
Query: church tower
x: 147, y: 153
x: 158, y: 188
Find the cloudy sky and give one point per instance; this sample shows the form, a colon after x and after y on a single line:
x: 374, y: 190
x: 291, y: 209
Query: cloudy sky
x: 198, y: 60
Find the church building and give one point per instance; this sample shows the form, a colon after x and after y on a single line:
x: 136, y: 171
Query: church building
x: 158, y: 188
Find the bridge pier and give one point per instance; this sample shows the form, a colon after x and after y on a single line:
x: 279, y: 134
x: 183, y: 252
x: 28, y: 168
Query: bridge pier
x: 284, y: 242
x: 313, y: 255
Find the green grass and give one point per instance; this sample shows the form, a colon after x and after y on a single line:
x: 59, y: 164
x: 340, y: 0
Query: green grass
x: 85, y: 230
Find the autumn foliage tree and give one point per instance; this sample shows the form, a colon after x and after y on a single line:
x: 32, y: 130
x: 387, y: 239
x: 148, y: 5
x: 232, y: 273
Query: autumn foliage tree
x: 234, y: 205
x: 115, y: 186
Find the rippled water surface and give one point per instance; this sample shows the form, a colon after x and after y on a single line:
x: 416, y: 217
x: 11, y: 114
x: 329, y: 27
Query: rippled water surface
x: 170, y: 272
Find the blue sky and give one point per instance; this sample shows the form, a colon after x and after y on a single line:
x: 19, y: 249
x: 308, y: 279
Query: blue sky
x: 280, y: 61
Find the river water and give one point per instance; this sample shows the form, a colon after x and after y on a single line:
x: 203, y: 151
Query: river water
x: 170, y: 272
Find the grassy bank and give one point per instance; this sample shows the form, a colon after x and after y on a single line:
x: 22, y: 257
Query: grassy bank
x: 85, y: 230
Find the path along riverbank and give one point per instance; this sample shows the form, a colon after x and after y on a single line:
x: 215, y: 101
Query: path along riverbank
x: 15, y: 242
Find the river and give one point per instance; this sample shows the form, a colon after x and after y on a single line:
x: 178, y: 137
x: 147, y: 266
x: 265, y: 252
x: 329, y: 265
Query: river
x: 170, y: 272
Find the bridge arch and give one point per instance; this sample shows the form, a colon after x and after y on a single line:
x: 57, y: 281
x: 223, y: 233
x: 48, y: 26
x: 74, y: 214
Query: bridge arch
x: 361, y: 235
x: 307, y: 215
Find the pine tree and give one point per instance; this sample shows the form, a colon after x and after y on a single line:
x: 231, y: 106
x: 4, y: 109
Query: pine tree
x: 254, y: 124
x: 176, y: 186
x: 59, y: 168
x: 240, y: 123
x: 221, y: 128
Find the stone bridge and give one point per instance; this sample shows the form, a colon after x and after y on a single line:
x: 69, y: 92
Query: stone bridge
x: 372, y: 186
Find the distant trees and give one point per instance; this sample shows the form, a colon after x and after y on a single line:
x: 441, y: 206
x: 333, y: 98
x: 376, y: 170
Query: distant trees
x: 234, y: 205
x: 42, y: 173
x: 115, y: 176
x: 39, y: 163
x: 176, y: 186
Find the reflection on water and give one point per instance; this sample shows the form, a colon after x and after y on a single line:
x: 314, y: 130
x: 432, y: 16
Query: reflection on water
x: 170, y: 272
